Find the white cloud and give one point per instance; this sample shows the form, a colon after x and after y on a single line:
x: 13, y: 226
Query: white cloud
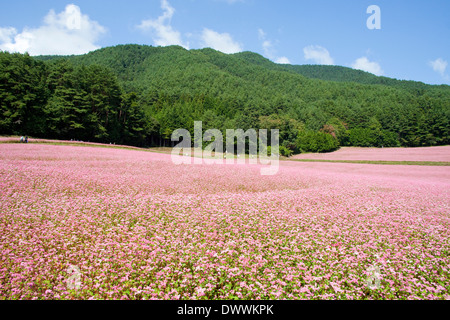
x: 283, y: 60
x: 68, y: 32
x: 364, y: 64
x: 318, y: 54
x: 162, y: 32
x: 268, y: 49
x: 261, y: 34
x: 439, y: 65
x: 266, y: 44
x: 6, y: 34
x: 220, y: 41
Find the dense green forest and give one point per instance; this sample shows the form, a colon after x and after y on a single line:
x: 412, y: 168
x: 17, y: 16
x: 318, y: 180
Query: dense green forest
x: 138, y: 95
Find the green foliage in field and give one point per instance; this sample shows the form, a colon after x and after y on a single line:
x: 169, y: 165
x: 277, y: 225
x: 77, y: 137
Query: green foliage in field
x: 138, y: 95
x: 312, y: 141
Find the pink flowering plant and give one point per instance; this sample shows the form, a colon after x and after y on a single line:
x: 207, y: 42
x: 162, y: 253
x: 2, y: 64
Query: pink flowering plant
x: 96, y: 223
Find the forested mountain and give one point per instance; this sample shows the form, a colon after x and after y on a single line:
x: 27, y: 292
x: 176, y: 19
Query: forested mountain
x: 344, y: 74
x: 139, y: 94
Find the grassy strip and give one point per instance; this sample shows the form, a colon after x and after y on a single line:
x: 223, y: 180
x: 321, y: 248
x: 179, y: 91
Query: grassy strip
x: 396, y: 163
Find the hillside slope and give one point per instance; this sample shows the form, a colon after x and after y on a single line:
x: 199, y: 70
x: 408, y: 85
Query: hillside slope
x: 175, y: 87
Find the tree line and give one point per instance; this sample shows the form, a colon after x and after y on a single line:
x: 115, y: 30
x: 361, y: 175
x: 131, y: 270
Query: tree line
x: 61, y: 101
x: 138, y: 95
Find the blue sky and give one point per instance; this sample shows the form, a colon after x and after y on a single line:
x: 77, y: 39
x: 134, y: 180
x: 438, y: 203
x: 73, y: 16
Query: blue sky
x: 413, y: 42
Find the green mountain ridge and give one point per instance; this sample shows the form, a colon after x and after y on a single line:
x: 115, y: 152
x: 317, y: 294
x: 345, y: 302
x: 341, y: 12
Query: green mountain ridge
x: 175, y: 87
x: 321, y: 72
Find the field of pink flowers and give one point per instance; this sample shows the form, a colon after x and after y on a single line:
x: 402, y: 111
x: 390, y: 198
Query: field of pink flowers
x: 436, y: 154
x: 136, y: 226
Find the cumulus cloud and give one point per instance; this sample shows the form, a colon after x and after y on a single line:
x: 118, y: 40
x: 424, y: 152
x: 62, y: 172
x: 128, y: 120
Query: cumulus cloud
x: 282, y: 60
x: 318, y: 55
x: 364, y: 64
x: 6, y: 34
x: 266, y: 44
x: 220, y: 41
x: 162, y: 32
x: 268, y: 49
x: 65, y: 33
x: 440, y: 66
